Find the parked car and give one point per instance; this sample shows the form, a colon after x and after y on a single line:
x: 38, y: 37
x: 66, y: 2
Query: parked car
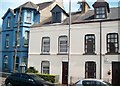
x: 92, y: 82
x: 22, y: 79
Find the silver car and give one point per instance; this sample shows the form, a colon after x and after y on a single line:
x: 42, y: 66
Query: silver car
x: 92, y: 82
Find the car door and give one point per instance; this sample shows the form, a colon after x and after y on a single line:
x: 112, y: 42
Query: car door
x: 26, y: 80
x: 16, y: 79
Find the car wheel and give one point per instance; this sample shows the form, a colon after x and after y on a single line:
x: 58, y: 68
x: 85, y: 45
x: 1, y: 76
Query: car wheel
x: 9, y: 84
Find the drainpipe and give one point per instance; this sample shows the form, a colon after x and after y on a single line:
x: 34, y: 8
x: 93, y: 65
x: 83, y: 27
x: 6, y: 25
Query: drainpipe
x: 16, y: 43
x: 69, y: 42
x: 100, y: 50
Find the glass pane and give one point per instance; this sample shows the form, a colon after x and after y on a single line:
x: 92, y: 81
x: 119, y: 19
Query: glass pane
x: 63, y: 44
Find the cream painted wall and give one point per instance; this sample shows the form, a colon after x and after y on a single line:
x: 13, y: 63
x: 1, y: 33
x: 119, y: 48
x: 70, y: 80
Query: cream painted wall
x: 77, y: 59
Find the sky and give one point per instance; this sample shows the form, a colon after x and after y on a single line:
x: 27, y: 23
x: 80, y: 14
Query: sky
x: 6, y: 4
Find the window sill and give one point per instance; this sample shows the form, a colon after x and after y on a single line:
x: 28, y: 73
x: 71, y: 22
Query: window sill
x: 62, y: 54
x: 109, y: 53
x: 25, y: 45
x: 17, y: 46
x: 45, y: 54
x: 89, y: 54
x: 6, y: 47
x: 27, y: 22
x: 8, y: 27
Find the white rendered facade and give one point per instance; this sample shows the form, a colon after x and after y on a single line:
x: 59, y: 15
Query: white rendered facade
x: 77, y: 57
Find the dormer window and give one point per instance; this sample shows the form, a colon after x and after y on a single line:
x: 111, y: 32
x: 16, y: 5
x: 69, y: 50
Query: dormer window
x: 101, y: 8
x: 56, y: 17
x: 58, y: 14
x: 100, y: 12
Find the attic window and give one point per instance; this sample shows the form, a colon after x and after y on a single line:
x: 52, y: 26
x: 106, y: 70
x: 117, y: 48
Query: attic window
x: 56, y: 17
x: 100, y: 12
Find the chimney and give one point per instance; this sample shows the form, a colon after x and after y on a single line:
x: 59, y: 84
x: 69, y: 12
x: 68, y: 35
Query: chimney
x: 84, y: 7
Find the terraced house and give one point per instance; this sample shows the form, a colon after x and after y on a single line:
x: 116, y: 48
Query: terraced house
x: 15, y: 32
x: 94, y: 44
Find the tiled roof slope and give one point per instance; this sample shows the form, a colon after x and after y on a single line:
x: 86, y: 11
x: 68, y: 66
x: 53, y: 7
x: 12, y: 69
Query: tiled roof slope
x: 89, y: 16
x: 28, y: 5
x: 44, y: 5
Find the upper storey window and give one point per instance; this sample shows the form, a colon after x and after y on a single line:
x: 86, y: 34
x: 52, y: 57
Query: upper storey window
x: 28, y: 17
x: 100, y: 12
x: 8, y: 22
x: 112, y: 43
x: 63, y: 44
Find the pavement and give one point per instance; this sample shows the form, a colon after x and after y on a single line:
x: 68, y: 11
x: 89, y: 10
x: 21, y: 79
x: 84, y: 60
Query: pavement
x: 2, y: 81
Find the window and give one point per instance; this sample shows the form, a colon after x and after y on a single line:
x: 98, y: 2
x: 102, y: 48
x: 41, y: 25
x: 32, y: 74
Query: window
x: 8, y: 21
x: 16, y: 63
x: 45, y: 67
x: 7, y: 41
x: 24, y: 61
x: 17, y: 42
x: 90, y: 44
x: 26, y: 38
x: 56, y: 17
x: 63, y: 44
x: 90, y: 69
x: 45, y: 45
x: 100, y: 12
x: 28, y: 18
x: 112, y: 43
x: 5, y: 64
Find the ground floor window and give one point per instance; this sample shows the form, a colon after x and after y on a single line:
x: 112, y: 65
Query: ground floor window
x: 24, y: 61
x: 45, y: 67
x: 90, y: 69
x: 5, y: 63
x: 16, y: 63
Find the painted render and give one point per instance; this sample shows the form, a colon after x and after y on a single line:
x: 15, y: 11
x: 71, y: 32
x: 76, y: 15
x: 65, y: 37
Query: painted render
x: 77, y: 57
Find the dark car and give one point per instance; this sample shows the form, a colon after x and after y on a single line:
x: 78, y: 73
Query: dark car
x: 22, y: 79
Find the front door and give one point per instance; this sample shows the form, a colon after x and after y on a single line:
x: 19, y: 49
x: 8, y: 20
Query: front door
x: 116, y: 73
x: 64, y: 72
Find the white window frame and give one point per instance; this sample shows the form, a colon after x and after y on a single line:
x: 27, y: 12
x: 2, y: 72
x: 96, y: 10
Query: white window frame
x: 29, y: 16
x: 100, y: 12
x: 45, y: 45
x: 26, y: 38
x: 8, y: 21
x: 45, y: 67
x: 63, y: 45
x: 5, y: 62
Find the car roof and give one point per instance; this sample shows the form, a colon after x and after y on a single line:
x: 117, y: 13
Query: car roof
x: 93, y: 80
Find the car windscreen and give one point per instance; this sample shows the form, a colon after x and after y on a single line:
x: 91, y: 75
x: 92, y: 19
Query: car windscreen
x: 35, y: 77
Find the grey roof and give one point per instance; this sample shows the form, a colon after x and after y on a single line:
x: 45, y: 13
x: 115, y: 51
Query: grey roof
x: 89, y: 16
x: 44, y: 5
x: 28, y: 5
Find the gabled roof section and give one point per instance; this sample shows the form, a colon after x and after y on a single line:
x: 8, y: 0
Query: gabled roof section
x: 61, y: 9
x: 28, y: 5
x: 9, y: 10
x: 44, y: 5
x: 101, y: 3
